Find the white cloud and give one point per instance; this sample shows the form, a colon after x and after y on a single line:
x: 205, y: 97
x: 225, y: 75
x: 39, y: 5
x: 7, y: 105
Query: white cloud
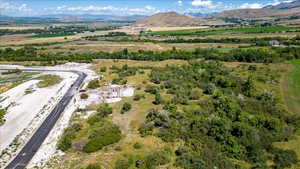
x: 179, y: 3
x: 150, y: 8
x: 92, y: 9
x: 10, y: 8
x: 251, y: 6
x: 202, y: 3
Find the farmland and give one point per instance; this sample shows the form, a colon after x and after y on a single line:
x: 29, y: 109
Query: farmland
x: 220, y: 31
x: 220, y: 96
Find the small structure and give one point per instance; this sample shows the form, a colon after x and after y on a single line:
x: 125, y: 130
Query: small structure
x: 274, y: 43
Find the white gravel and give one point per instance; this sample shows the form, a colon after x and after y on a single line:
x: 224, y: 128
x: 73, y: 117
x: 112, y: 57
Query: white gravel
x: 31, y: 105
x: 27, y: 111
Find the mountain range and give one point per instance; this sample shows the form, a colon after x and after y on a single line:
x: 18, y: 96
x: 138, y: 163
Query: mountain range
x: 288, y: 12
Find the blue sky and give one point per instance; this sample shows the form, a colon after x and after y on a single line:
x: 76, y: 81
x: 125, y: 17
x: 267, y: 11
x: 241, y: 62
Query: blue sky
x: 124, y: 7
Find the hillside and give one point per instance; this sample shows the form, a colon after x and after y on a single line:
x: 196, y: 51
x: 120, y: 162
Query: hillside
x: 170, y: 19
x: 286, y: 5
x: 281, y: 13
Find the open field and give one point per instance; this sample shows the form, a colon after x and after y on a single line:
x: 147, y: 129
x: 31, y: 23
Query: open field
x: 21, y: 27
x: 218, y: 31
x: 83, y: 46
x: 174, y: 28
x: 28, y: 41
x: 291, y: 91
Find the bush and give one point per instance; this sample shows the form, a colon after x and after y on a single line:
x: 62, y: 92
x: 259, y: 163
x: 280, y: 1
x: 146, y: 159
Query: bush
x: 93, y: 166
x: 158, y: 99
x: 14, y: 71
x: 2, y: 114
x: 151, y: 89
x: 104, y: 110
x: 137, y: 145
x: 65, y: 142
x: 107, y: 135
x: 122, y: 164
x: 285, y: 158
x: 156, y: 159
x: 103, y: 69
x: 126, y: 107
x: 84, y: 96
x: 145, y: 130
x: 138, y: 97
x: 210, y: 89
x: 94, y: 84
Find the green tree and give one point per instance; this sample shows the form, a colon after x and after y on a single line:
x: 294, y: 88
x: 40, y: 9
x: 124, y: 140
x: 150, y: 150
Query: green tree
x: 126, y: 107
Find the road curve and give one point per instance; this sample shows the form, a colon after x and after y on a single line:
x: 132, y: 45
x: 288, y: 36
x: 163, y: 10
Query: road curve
x: 35, y: 142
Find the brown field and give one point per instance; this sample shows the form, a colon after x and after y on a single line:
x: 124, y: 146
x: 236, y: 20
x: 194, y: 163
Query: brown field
x: 86, y: 46
x: 12, y: 39
x: 26, y: 41
x: 21, y: 27
x: 174, y: 28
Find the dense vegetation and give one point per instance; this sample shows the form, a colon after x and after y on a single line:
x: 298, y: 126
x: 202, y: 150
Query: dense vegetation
x: 262, y: 55
x: 2, y: 114
x: 265, y: 41
x: 206, y: 32
x: 238, y: 116
x: 97, y: 133
x: 11, y: 72
x: 53, y: 31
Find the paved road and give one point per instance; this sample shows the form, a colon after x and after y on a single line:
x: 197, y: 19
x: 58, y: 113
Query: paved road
x: 32, y: 146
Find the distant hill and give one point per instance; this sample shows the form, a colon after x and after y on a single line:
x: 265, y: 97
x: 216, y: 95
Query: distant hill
x: 202, y: 15
x: 70, y: 19
x: 285, y: 5
x: 284, y: 12
x: 170, y: 19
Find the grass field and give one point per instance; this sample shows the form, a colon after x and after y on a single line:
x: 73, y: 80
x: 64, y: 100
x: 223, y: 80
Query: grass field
x: 20, y: 27
x: 291, y: 91
x: 218, y: 31
x: 47, y: 35
x: 48, y: 80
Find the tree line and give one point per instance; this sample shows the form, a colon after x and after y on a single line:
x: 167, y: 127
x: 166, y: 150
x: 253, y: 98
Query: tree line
x: 260, y: 55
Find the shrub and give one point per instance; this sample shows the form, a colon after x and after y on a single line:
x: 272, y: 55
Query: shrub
x: 138, y: 97
x: 137, y: 145
x: 104, y: 110
x: 151, y: 89
x: 122, y: 164
x: 210, y: 89
x: 65, y: 142
x: 93, y: 166
x: 126, y: 107
x: 84, y: 96
x: 145, y: 130
x: 11, y: 72
x: 2, y: 114
x: 103, y: 69
x: 156, y: 159
x: 94, y: 84
x: 105, y: 136
x: 285, y: 158
x: 158, y: 99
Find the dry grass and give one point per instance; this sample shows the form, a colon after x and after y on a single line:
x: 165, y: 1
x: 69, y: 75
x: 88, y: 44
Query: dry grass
x: 175, y: 28
x: 6, y: 87
x: 290, y: 90
x: 128, y: 122
x: 5, y: 42
x: 20, y: 27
